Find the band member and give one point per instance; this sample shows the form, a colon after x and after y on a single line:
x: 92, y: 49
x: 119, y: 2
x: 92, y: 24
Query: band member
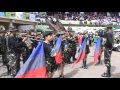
x: 73, y: 47
x: 50, y: 61
x: 108, y: 51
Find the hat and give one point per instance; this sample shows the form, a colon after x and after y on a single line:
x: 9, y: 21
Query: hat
x: 47, y: 33
x: 109, y: 27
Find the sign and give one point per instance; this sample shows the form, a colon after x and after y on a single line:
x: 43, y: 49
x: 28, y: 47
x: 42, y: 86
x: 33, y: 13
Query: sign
x: 42, y: 14
x: 119, y: 13
x: 108, y: 14
x: 19, y: 15
x: 26, y: 15
x: 32, y: 17
x: 23, y: 28
x: 2, y: 14
x: 8, y: 14
x: 69, y: 22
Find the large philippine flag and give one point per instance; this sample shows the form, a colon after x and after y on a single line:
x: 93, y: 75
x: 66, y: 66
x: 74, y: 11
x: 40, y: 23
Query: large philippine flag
x: 35, y: 66
x: 98, y: 50
x: 59, y: 56
x: 82, y: 52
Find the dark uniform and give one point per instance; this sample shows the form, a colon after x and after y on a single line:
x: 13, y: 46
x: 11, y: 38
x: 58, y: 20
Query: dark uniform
x: 3, y: 48
x: 107, y: 53
x: 27, y: 50
x: 66, y: 51
x: 74, y: 47
x: 13, y: 55
x: 90, y: 39
x: 50, y: 61
x: 24, y: 54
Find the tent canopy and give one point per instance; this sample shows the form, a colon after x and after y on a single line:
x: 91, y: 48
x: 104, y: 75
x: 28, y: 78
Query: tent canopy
x: 41, y: 28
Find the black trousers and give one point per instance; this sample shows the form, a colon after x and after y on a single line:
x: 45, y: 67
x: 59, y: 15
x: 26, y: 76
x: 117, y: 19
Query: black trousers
x: 73, y: 55
x: 24, y: 59
x: 18, y: 62
x: 90, y: 42
x: 3, y: 57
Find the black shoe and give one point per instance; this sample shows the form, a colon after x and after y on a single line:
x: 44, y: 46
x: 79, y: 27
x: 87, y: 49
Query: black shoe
x: 74, y: 59
x: 82, y: 67
x: 61, y: 76
x: 106, y: 75
x: 85, y: 67
x: 8, y: 72
x: 69, y: 62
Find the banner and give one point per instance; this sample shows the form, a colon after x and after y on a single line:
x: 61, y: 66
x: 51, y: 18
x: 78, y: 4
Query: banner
x: 19, y: 15
x: 2, y: 14
x: 69, y: 22
x: 32, y: 17
x: 23, y: 28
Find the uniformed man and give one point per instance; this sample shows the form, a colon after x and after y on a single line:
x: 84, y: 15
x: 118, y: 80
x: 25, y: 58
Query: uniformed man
x: 14, y: 44
x: 28, y: 46
x: 67, y: 49
x: 108, y: 51
x: 3, y: 46
x: 73, y: 41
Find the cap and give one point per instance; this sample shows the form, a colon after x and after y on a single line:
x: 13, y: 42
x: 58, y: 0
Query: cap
x: 109, y: 26
x: 47, y: 33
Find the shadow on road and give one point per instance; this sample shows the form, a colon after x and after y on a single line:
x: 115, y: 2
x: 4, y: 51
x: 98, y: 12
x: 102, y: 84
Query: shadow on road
x: 4, y: 74
x: 113, y: 68
x: 116, y: 75
x: 89, y: 64
x: 70, y: 74
x: 1, y: 65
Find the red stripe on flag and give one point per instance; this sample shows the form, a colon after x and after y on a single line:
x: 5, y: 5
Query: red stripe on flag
x: 59, y: 58
x: 83, y: 56
x: 37, y: 73
x: 78, y: 60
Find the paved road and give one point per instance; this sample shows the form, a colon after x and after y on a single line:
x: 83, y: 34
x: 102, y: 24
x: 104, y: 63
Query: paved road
x: 78, y: 72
